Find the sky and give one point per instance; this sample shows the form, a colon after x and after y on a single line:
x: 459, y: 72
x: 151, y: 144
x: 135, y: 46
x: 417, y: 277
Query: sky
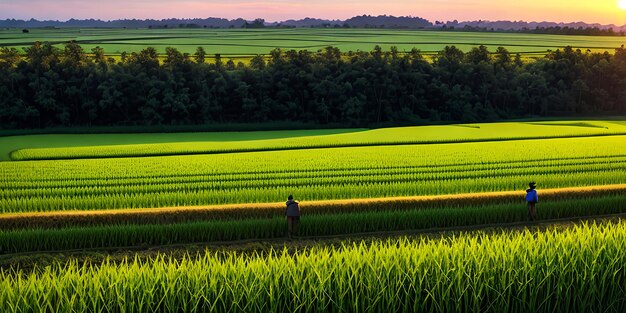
x: 596, y: 11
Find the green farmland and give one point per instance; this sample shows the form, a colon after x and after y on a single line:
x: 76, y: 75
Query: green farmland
x: 232, y: 42
x: 388, y: 167
x: 123, y: 171
x: 194, y: 222
x: 518, y: 271
x: 35, y: 147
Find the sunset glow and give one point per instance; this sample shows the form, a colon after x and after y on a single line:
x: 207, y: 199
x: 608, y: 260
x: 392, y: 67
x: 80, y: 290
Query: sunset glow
x: 601, y: 11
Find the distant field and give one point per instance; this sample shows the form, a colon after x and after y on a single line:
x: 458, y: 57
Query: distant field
x: 35, y: 147
x: 249, y: 42
x: 11, y: 143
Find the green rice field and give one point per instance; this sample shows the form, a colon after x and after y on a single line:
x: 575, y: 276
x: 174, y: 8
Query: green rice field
x: 35, y: 147
x: 10, y: 144
x: 244, y: 225
x: 577, y: 269
x: 233, y: 42
x: 124, y: 171
x: 179, y: 221
x: 314, y: 174
x: 401, y: 219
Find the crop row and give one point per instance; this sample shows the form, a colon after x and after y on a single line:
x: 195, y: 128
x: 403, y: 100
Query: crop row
x: 310, y: 192
x: 60, y: 219
x: 25, y: 183
x: 578, y: 269
x: 297, y: 181
x: 108, y: 236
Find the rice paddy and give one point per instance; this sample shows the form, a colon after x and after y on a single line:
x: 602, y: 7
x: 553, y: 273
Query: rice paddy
x: 240, y: 43
x: 70, y: 193
x: 315, y: 174
x: 579, y: 269
x: 44, y: 147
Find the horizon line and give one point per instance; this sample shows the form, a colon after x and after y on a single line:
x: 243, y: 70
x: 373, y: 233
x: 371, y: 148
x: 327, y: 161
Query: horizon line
x: 315, y: 18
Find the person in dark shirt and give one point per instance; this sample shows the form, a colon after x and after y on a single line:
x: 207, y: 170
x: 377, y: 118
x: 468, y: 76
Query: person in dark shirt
x: 531, y: 200
x: 292, y: 212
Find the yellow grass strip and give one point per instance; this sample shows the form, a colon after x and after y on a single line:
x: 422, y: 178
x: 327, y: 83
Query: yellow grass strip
x: 267, y: 210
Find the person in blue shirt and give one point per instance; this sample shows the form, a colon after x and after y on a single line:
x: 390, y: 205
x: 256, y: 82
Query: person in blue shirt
x: 532, y: 199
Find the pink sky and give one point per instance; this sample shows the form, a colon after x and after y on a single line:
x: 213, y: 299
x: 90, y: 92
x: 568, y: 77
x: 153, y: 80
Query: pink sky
x: 599, y: 11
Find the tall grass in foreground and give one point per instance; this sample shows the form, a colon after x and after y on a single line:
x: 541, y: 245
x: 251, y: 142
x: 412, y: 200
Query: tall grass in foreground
x: 580, y: 269
x: 119, y: 236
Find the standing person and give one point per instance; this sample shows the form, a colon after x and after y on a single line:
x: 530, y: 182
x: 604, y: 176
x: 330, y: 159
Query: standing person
x: 532, y: 199
x: 292, y: 212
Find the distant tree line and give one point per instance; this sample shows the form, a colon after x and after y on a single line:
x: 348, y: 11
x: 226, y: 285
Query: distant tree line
x: 51, y: 87
x: 362, y: 21
x: 552, y: 30
x: 585, y: 31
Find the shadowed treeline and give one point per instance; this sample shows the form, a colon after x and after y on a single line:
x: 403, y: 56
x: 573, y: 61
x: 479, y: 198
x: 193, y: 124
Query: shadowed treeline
x: 51, y: 87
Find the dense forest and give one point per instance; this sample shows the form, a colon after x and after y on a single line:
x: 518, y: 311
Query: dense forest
x: 50, y: 87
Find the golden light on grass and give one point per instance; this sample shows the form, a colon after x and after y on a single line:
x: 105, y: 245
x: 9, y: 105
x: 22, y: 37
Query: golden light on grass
x: 268, y: 210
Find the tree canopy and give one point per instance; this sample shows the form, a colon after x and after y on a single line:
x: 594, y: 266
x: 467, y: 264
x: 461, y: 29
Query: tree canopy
x: 50, y: 87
